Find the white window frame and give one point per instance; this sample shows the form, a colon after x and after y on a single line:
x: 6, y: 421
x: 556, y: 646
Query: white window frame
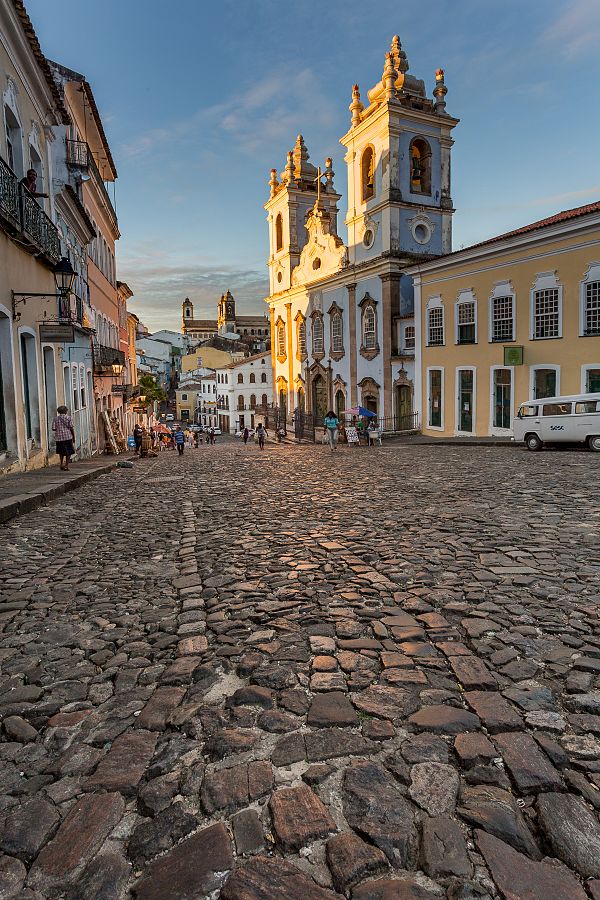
x: 592, y: 274
x: 337, y: 318
x: 546, y: 281
x: 502, y: 289
x: 533, y: 369
x: 405, y: 346
x: 457, y: 431
x: 434, y: 303
x: 441, y: 369
x: 494, y: 430
x: 372, y: 344
x: 464, y: 297
x: 316, y: 349
x: 584, y: 370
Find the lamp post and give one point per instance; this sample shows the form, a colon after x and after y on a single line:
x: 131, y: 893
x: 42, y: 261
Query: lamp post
x: 64, y: 277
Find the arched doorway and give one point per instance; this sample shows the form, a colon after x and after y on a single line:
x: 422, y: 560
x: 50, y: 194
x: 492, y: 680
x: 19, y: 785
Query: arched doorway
x: 340, y: 405
x: 319, y: 399
x: 301, y: 400
x: 282, y: 404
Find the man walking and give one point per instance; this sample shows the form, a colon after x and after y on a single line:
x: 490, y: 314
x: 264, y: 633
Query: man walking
x: 261, y: 433
x: 179, y: 440
x: 137, y: 437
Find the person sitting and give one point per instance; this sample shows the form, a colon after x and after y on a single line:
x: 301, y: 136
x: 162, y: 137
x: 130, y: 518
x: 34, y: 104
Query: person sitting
x: 30, y: 182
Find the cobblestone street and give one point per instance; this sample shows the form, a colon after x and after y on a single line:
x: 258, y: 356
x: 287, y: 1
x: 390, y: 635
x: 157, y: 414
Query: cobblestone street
x: 298, y: 675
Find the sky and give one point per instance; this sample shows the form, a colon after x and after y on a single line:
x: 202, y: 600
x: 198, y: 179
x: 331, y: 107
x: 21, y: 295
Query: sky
x: 201, y: 99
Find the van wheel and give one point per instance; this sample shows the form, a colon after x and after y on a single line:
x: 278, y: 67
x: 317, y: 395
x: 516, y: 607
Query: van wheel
x: 532, y: 442
x: 594, y: 442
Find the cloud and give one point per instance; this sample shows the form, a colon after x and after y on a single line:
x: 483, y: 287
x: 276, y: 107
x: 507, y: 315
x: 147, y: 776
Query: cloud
x: 265, y: 112
x: 160, y: 285
x: 576, y: 30
x: 590, y: 194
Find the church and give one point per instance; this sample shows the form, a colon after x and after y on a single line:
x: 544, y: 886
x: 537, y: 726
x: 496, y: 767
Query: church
x: 342, y: 315
x: 253, y: 330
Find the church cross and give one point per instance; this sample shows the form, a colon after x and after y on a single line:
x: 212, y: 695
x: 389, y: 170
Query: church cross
x: 318, y: 181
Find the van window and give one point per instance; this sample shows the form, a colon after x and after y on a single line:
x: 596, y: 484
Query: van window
x: 557, y: 409
x: 587, y: 406
x: 527, y: 411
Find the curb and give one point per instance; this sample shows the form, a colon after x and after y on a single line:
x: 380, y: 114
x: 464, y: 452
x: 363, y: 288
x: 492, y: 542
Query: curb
x: 23, y: 503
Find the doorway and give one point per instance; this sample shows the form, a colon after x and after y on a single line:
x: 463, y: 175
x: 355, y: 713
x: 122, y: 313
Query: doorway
x: 50, y: 390
x: 465, y: 400
x: 403, y: 406
x: 319, y: 392
x: 502, y: 397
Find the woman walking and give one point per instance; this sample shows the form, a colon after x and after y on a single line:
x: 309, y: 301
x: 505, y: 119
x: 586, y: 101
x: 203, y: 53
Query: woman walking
x: 64, y: 435
x: 261, y: 433
x: 246, y: 435
x: 331, y: 429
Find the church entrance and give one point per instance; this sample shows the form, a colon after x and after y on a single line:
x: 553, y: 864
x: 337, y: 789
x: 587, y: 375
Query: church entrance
x: 319, y: 399
x: 340, y: 405
x: 403, y: 406
x: 371, y: 404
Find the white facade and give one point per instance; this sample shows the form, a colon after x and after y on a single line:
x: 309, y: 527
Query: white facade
x: 342, y: 317
x: 244, y: 391
x: 206, y: 400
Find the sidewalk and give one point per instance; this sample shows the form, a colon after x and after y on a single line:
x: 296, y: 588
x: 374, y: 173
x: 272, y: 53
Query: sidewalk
x: 29, y: 490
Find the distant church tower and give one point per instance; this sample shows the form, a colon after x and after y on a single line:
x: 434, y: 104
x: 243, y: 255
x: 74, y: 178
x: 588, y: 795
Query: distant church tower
x: 398, y: 158
x: 226, y: 314
x: 187, y: 313
x: 292, y: 198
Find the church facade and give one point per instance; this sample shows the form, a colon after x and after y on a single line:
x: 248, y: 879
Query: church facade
x: 254, y: 330
x: 342, y: 315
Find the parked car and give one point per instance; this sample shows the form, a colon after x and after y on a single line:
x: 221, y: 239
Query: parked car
x: 170, y: 417
x: 217, y: 431
x: 240, y: 432
x: 553, y: 420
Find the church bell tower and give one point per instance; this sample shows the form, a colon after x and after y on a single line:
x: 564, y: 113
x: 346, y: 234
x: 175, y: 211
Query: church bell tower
x: 226, y: 314
x: 187, y: 313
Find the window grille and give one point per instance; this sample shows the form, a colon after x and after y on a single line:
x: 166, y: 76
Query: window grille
x: 281, y: 340
x: 502, y: 319
x: 409, y: 337
x: 436, y: 327
x: 317, y: 335
x: 592, y: 308
x: 466, y: 323
x: 546, y: 313
x: 302, y: 337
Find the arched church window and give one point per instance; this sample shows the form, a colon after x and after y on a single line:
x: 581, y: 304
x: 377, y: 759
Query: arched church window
x: 317, y: 334
x: 369, y: 332
x: 252, y: 378
x: 281, y: 340
x: 301, y: 337
x: 252, y: 401
x: 240, y: 402
x: 278, y: 233
x: 420, y: 166
x: 337, y: 340
x: 263, y: 378
x: 264, y: 400
x: 367, y: 171
x: 240, y: 378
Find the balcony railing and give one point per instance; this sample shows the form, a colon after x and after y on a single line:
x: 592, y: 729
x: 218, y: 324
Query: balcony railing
x: 107, y: 357
x: 10, y: 209
x: 70, y: 309
x: 79, y: 156
x: 22, y: 213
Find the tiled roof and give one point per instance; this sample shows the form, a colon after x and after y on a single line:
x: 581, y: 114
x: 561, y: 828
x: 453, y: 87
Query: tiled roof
x: 564, y: 216
x: 40, y: 58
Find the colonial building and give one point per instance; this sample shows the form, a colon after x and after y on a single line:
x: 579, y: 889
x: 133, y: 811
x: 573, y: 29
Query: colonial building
x: 244, y: 392
x: 31, y: 385
x: 342, y: 326
x: 512, y: 318
x: 253, y: 330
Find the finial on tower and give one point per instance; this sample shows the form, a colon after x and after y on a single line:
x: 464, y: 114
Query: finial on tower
x: 398, y: 56
x: 439, y: 92
x: 356, y: 107
x: 329, y: 173
x: 289, y: 170
x: 389, y: 78
x: 273, y: 183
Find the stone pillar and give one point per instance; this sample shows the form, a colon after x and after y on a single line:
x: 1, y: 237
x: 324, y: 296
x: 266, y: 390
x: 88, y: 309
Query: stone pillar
x: 390, y: 302
x: 351, y: 288
x: 290, y: 358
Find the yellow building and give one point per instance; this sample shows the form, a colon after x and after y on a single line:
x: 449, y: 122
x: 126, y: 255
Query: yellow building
x: 512, y: 318
x: 205, y: 358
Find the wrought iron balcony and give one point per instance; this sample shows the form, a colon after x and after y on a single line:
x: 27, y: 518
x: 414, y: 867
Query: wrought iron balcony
x: 70, y: 309
x: 79, y: 156
x: 10, y: 208
x: 23, y: 216
x: 105, y: 358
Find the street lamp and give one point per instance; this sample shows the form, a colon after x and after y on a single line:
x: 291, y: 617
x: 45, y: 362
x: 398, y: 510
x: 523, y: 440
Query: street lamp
x: 64, y: 276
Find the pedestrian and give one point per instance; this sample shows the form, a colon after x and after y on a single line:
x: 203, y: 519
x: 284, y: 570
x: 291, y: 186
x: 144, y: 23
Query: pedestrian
x: 180, y: 440
x: 197, y: 439
x: 246, y: 435
x: 261, y: 432
x: 146, y: 444
x: 137, y: 437
x: 64, y: 435
x: 212, y: 435
x: 331, y: 429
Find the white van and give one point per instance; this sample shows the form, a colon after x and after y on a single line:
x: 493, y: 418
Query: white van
x: 554, y: 420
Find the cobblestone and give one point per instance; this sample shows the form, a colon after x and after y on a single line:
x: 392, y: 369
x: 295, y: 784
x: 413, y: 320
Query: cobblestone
x: 226, y: 675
